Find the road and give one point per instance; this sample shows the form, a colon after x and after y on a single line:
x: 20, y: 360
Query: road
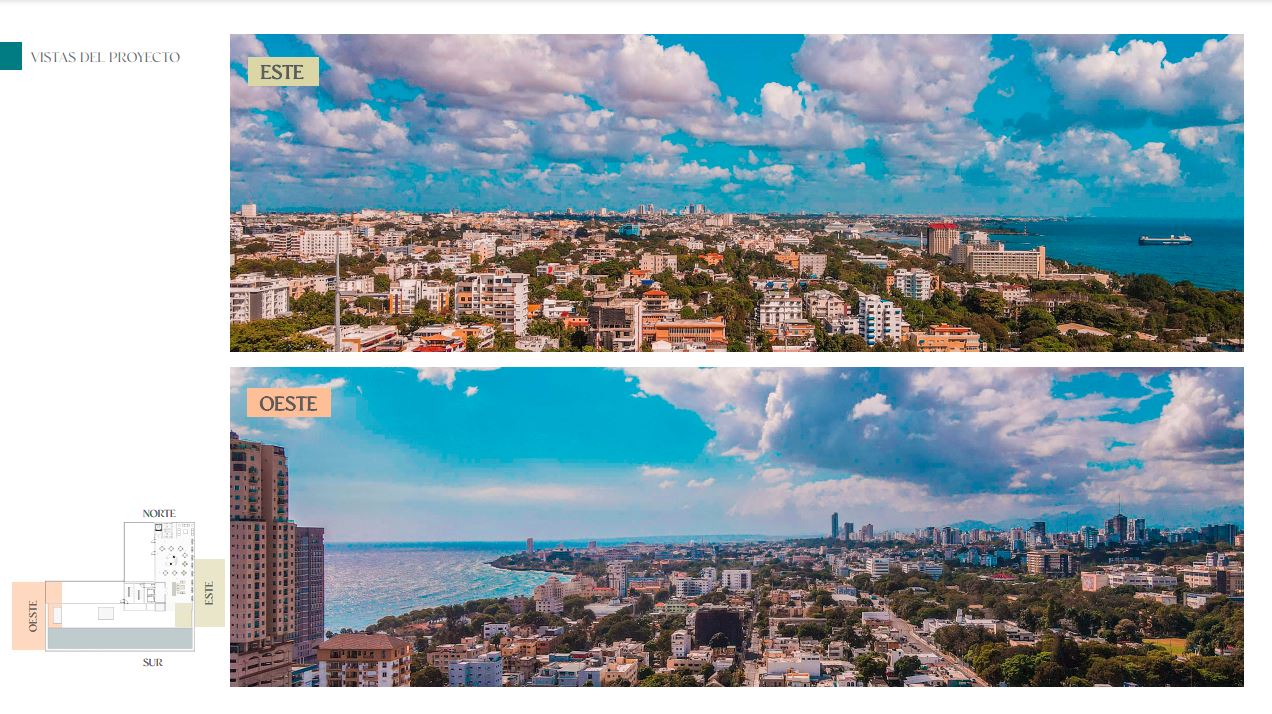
x: 912, y: 636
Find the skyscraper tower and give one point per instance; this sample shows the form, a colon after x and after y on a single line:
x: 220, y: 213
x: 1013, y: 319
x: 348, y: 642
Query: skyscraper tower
x: 310, y: 593
x: 262, y: 567
x: 834, y: 525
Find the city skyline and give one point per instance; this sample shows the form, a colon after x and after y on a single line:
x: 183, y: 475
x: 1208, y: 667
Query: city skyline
x: 731, y: 451
x: 1019, y: 125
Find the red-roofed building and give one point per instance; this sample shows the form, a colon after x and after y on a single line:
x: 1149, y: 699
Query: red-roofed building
x: 940, y: 238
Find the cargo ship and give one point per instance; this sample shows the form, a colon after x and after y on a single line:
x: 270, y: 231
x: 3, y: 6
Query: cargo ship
x: 1172, y: 240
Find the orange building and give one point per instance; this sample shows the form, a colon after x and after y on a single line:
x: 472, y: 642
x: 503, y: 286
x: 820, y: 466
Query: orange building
x: 704, y: 334
x: 946, y: 338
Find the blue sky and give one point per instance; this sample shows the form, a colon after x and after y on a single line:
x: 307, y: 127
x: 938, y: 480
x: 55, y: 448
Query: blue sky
x: 441, y: 454
x: 1119, y: 125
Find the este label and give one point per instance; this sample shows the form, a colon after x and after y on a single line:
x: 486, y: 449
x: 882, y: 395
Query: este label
x: 282, y: 71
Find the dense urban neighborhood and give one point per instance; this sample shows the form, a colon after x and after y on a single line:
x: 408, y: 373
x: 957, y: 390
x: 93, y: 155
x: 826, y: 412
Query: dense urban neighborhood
x: 689, y: 280
x: 1111, y: 606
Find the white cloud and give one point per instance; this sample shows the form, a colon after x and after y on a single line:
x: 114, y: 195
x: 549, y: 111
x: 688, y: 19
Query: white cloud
x: 470, y: 391
x: 1207, y: 85
x: 872, y: 406
x: 705, y: 483
x: 658, y: 471
x: 1223, y: 143
x: 899, y: 78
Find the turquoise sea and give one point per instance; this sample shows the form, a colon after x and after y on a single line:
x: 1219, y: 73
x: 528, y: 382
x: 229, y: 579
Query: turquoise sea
x: 1215, y: 260
x: 367, y: 581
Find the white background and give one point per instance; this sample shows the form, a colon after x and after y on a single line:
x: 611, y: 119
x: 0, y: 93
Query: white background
x: 114, y: 183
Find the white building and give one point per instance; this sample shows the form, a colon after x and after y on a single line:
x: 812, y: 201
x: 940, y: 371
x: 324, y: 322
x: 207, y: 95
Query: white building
x: 500, y: 295
x: 324, y: 244
x: 777, y: 308
x: 736, y: 580
x: 617, y: 571
x: 878, y: 567
x: 483, y: 671
x: 408, y: 292
x: 880, y: 320
x: 256, y: 297
x: 490, y: 629
x: 655, y: 263
x: 681, y: 643
x: 913, y: 283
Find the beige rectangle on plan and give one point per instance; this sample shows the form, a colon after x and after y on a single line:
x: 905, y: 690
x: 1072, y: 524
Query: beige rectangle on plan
x: 28, y: 616
x: 209, y: 593
x: 289, y: 402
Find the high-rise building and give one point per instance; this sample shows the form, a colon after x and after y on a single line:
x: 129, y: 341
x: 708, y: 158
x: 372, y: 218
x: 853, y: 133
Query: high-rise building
x: 848, y: 530
x: 248, y: 210
x: 834, y: 525
x: 618, y: 578
x: 310, y: 593
x: 1135, y: 531
x: 940, y: 238
x: 867, y: 532
x: 1115, y: 529
x: 530, y: 546
x: 262, y: 566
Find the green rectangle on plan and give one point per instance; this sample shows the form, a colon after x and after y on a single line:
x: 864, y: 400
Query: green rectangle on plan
x: 10, y: 55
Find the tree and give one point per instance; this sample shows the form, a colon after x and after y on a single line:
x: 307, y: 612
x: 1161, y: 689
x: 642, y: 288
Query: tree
x: 429, y: 677
x: 870, y: 666
x: 906, y: 666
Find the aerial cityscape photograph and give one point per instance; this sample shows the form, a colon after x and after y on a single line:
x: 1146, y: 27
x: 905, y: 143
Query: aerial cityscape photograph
x: 711, y: 193
x: 731, y: 527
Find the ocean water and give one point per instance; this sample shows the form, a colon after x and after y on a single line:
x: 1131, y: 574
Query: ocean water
x: 368, y: 581
x: 1215, y: 260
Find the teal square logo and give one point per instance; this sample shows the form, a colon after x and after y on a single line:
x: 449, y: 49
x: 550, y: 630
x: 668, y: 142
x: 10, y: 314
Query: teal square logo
x: 10, y: 55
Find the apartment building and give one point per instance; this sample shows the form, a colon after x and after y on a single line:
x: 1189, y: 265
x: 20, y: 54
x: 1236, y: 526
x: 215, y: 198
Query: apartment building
x: 262, y: 566
x: 500, y: 295
x: 736, y: 580
x: 778, y: 307
x: 408, y: 292
x: 916, y: 283
x: 616, y: 324
x: 310, y: 592
x: 253, y: 296
x: 824, y: 305
x: 879, y: 320
x: 655, y: 263
x: 323, y: 244
x: 483, y: 671
x: 364, y: 660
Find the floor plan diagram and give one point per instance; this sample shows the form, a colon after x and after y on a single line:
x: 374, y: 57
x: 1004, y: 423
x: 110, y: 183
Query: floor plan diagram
x: 150, y: 608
